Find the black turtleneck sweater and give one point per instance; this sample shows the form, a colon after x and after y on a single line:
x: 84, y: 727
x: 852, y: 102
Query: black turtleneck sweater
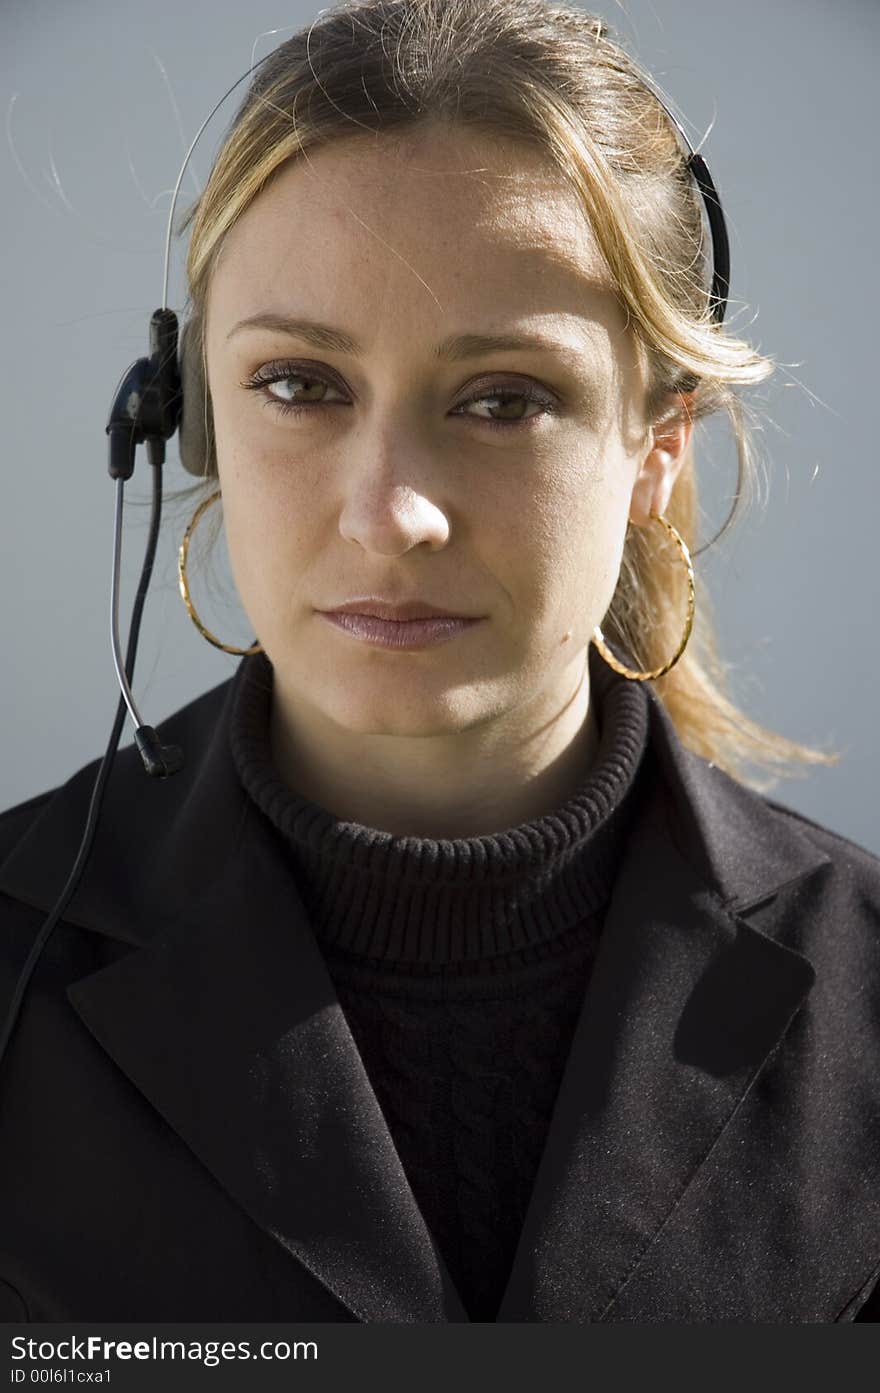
x: 461, y: 967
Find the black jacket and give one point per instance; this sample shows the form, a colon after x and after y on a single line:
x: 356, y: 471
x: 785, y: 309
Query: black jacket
x: 187, y: 1131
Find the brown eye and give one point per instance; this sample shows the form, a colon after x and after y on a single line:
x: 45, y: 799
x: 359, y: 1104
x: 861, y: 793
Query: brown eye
x: 310, y: 384
x: 264, y: 378
x: 508, y: 395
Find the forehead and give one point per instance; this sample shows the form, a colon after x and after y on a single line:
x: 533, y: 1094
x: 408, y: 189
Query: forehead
x: 456, y: 210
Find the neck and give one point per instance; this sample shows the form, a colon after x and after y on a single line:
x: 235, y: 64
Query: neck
x: 484, y: 779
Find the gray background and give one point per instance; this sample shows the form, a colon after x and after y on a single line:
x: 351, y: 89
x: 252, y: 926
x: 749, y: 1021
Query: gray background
x: 101, y: 101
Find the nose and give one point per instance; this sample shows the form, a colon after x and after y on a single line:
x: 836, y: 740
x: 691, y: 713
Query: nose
x: 392, y: 518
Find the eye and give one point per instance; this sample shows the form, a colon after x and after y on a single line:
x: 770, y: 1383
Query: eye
x: 505, y: 393
x: 272, y: 373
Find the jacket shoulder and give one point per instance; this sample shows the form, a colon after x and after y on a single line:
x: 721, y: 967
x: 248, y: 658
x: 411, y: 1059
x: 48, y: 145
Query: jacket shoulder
x: 838, y: 913
x: 15, y: 821
x: 19, y: 921
x: 842, y: 850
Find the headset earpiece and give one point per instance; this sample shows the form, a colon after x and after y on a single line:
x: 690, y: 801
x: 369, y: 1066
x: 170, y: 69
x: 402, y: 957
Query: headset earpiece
x: 196, y: 429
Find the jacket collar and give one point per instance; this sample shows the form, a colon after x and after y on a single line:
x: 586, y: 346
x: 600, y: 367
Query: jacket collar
x: 222, y: 1013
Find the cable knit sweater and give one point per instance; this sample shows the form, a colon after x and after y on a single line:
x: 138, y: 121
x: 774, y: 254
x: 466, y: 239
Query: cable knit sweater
x: 461, y: 967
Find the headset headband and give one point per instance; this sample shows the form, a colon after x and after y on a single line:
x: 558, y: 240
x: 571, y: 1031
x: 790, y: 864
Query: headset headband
x: 697, y: 165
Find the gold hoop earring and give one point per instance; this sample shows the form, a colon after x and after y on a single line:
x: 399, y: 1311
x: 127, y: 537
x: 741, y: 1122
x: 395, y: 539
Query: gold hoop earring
x: 184, y: 587
x: 598, y: 637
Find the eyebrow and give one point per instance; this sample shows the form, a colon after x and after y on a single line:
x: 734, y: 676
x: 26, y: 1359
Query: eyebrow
x: 454, y: 349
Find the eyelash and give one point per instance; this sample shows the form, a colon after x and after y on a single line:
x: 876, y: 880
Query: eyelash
x: 263, y: 377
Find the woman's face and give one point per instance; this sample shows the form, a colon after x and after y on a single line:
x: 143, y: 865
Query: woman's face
x: 403, y: 475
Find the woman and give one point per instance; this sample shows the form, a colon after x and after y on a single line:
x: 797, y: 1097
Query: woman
x: 461, y: 973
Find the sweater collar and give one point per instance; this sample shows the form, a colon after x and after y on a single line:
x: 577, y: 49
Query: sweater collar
x: 415, y: 899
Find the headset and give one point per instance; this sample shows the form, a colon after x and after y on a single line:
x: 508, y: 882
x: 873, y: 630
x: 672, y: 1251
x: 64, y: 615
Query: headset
x: 147, y: 409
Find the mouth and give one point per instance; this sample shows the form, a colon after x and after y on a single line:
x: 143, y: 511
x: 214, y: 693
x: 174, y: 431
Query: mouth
x: 399, y: 633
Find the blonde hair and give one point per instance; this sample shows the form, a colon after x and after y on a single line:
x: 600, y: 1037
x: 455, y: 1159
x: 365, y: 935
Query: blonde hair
x: 553, y: 76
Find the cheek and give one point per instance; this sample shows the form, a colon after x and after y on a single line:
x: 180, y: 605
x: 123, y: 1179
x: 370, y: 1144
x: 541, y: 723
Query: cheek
x: 563, y: 550
x: 263, y: 537
x: 266, y: 498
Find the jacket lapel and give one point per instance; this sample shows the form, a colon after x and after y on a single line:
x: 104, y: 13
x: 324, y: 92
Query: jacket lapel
x: 228, y: 1023
x: 224, y: 1016
x: 685, y: 1003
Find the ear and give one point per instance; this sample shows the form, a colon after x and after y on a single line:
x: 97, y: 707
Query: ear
x: 669, y: 439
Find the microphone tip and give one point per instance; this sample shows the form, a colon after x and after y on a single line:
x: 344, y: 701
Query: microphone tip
x: 159, y: 760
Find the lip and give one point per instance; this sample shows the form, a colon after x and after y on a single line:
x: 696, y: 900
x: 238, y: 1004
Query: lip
x: 399, y: 634
x: 388, y: 609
